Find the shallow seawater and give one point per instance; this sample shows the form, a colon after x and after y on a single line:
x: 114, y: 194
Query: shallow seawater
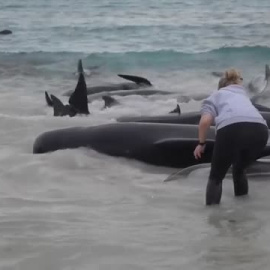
x: 79, y: 209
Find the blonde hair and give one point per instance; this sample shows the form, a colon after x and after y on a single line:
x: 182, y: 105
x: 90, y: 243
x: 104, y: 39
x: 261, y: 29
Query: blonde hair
x: 222, y: 83
x: 231, y: 76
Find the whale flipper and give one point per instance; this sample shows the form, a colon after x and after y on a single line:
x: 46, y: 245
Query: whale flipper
x: 136, y: 79
x: 176, y: 110
x: 109, y: 101
x: 78, y: 98
x: 48, y: 99
x: 186, y: 171
x: 257, y: 168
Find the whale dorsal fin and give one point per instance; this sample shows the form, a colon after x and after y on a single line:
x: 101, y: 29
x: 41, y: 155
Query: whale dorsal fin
x: 109, y: 101
x: 48, y: 99
x: 80, y: 67
x: 176, y: 110
x: 136, y: 79
x: 78, y: 98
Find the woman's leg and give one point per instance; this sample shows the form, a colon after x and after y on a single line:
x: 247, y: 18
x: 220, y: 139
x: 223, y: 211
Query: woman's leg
x: 252, y: 141
x: 221, y: 161
x: 240, y: 181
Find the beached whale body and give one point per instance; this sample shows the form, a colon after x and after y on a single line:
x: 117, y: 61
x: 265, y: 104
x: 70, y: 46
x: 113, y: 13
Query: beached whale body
x: 136, y: 83
x: 140, y: 92
x: 191, y: 118
x: 158, y: 144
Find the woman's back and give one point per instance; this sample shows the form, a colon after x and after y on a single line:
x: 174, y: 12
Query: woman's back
x: 231, y: 105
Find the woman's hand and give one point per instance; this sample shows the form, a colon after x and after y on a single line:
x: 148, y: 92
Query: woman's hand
x: 204, y: 125
x: 199, y: 150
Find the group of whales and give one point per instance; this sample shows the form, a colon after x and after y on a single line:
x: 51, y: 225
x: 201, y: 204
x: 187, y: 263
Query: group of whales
x: 79, y: 98
x: 165, y: 140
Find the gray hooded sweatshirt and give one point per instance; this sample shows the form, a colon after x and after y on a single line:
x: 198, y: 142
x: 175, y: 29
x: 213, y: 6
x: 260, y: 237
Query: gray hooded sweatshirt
x: 230, y: 105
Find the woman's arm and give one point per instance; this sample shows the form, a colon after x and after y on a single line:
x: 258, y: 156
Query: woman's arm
x: 204, y: 125
x: 208, y: 112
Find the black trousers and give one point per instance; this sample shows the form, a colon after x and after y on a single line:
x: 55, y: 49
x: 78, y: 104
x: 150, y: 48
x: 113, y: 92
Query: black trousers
x: 238, y: 145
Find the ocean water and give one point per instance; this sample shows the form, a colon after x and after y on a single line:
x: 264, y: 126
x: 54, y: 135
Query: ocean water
x: 79, y: 209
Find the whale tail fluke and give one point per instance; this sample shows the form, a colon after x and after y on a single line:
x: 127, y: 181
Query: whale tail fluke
x: 176, y: 110
x: 59, y: 109
x: 136, y: 79
x: 48, y: 99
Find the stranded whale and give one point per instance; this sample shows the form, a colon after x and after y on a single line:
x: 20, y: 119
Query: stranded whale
x: 158, y: 144
x: 136, y: 83
x: 192, y: 118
